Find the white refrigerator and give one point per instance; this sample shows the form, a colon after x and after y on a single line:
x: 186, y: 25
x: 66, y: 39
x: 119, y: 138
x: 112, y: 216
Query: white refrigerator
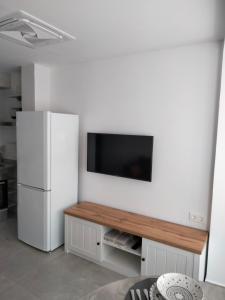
x: 47, y: 158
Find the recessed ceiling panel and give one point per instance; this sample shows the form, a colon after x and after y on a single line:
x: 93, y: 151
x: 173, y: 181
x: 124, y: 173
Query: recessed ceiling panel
x: 25, y: 29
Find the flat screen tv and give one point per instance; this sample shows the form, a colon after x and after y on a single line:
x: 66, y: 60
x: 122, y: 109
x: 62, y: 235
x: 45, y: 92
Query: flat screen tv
x: 120, y: 155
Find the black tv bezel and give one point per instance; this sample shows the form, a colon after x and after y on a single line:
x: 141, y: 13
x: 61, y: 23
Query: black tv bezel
x: 120, y: 134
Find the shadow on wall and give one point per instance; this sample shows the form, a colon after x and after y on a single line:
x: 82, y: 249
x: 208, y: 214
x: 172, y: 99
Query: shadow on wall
x: 219, y: 20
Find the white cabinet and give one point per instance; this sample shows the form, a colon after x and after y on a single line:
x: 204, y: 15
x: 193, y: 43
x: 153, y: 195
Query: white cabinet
x: 83, y: 237
x: 158, y: 259
x: 86, y: 239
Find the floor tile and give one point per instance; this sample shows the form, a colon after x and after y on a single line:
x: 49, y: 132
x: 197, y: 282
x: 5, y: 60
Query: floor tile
x: 16, y: 292
x: 5, y: 283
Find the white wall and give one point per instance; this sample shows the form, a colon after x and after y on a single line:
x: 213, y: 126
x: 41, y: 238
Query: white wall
x: 170, y: 94
x: 216, y: 259
x: 28, y: 84
x: 42, y: 87
x: 36, y: 87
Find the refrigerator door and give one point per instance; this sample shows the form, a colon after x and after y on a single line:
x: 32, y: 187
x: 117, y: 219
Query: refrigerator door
x: 33, y: 149
x: 34, y: 217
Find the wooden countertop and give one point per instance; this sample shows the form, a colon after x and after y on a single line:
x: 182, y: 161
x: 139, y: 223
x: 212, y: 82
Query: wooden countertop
x: 171, y: 234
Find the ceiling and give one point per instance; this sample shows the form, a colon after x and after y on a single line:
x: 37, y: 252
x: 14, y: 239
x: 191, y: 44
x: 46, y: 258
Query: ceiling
x: 108, y: 28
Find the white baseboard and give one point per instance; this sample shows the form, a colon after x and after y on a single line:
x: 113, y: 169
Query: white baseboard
x: 214, y: 282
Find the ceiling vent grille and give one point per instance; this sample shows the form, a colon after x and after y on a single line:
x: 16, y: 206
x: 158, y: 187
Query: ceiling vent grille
x: 24, y: 29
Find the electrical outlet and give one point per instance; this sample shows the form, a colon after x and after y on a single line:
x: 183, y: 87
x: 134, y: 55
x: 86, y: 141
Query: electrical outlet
x: 195, y: 218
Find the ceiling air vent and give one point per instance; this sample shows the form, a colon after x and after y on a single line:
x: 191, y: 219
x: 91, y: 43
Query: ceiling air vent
x: 24, y: 29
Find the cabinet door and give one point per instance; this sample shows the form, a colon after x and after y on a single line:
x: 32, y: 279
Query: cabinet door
x: 83, y: 237
x: 158, y: 259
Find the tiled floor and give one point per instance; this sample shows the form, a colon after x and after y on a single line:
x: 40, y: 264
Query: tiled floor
x: 28, y: 274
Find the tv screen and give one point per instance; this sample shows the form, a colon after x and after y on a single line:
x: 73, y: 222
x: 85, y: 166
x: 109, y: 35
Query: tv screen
x: 120, y: 155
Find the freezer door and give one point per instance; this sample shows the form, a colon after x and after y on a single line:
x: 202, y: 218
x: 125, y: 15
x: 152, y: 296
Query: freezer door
x: 33, y: 149
x: 34, y: 217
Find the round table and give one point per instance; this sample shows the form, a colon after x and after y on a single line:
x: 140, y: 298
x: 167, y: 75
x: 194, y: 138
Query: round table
x: 118, y: 290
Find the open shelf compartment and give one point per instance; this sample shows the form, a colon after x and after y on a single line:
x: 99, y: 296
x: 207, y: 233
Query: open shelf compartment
x: 118, y: 254
x: 120, y: 261
x: 123, y: 248
x: 123, y: 241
